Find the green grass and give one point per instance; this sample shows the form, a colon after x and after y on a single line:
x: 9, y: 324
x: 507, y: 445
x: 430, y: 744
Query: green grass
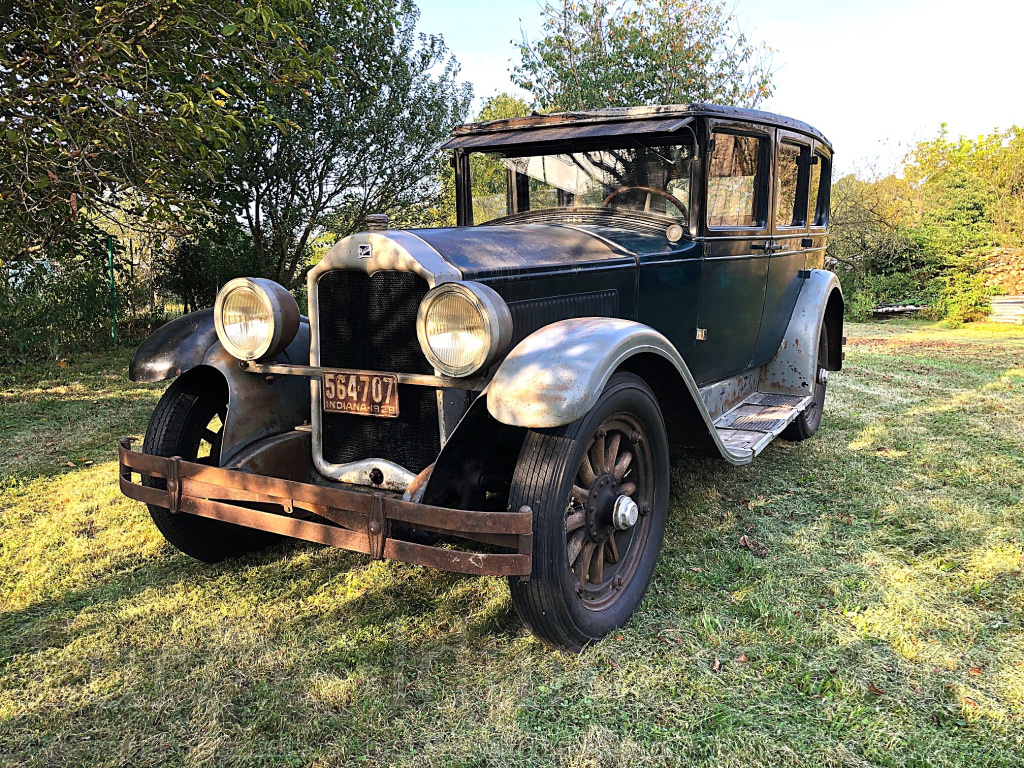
x: 882, y: 627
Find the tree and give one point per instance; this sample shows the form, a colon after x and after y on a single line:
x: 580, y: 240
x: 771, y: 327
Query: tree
x: 362, y: 140
x: 97, y: 99
x: 503, y: 106
x: 614, y: 53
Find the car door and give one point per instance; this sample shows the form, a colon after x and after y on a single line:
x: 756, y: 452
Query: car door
x: 737, y: 245
x: 792, y: 166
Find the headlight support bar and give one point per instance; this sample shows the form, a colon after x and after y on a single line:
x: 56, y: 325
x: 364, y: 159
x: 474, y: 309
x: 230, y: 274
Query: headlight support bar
x: 317, y: 372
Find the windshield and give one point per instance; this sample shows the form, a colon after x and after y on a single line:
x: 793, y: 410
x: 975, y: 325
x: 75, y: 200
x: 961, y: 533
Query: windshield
x: 652, y: 179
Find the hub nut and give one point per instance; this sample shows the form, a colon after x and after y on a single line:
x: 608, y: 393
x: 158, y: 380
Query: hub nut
x: 823, y: 376
x: 625, y: 513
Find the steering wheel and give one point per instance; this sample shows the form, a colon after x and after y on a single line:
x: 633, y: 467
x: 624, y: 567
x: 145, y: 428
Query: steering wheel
x: 647, y: 204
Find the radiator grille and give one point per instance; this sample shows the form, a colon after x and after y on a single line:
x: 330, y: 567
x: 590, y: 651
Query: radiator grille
x: 369, y: 322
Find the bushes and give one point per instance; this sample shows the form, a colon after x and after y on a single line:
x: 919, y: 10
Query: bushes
x: 960, y: 297
x: 199, y: 264
x: 57, y: 302
x: 915, y: 236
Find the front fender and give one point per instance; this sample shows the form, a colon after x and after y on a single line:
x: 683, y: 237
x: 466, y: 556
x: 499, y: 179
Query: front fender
x: 174, y: 348
x: 556, y: 375
x: 258, y: 406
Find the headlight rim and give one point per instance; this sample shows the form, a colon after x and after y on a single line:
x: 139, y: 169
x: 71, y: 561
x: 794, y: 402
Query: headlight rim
x: 497, y: 322
x: 281, y: 306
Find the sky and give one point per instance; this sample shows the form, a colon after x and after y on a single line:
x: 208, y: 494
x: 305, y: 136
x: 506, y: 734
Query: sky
x: 875, y: 76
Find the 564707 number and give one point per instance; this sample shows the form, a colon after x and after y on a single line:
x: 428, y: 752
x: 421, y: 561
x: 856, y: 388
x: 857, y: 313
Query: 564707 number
x: 363, y: 394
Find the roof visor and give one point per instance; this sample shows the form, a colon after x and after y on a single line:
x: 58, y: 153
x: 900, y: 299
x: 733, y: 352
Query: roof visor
x: 516, y: 136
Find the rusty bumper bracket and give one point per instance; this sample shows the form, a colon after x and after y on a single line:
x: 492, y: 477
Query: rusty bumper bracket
x: 360, y: 522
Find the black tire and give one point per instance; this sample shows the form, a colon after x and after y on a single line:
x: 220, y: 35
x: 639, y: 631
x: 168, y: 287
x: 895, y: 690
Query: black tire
x: 183, y: 422
x: 567, y: 609
x: 807, y: 423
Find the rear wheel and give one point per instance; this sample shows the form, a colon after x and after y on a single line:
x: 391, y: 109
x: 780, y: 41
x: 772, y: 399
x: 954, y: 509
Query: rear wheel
x: 189, y: 422
x: 599, y: 492
x: 807, y: 423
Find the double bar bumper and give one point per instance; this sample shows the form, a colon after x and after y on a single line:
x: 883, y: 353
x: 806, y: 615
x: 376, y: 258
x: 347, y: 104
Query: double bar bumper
x: 361, y: 522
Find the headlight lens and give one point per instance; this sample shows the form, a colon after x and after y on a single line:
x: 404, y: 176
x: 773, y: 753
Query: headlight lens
x: 463, y: 327
x: 255, y: 318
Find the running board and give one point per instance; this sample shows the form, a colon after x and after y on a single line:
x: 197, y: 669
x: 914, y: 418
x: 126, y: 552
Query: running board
x: 748, y: 428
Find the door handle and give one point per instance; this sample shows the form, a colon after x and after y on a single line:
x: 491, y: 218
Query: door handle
x: 767, y: 247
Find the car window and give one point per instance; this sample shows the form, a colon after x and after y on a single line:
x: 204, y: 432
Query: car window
x: 490, y: 182
x: 791, y: 172
x: 818, y: 195
x: 736, y: 181
x: 643, y: 178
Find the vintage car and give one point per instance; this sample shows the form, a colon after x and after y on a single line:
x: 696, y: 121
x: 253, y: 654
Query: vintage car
x: 500, y: 397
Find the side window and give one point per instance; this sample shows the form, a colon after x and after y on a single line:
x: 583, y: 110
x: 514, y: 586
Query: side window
x: 736, y: 181
x: 818, y: 195
x: 791, y: 172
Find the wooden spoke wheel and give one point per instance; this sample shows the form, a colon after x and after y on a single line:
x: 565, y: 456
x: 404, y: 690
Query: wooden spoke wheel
x: 599, y: 492
x: 608, y: 517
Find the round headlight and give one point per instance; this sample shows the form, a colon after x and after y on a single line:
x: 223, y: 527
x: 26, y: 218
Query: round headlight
x: 255, y: 318
x: 463, y: 327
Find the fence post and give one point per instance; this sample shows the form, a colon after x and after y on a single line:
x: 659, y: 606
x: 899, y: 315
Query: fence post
x: 113, y: 297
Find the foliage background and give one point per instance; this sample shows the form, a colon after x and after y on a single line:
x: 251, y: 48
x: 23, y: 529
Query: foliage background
x: 919, y: 235
x: 218, y: 138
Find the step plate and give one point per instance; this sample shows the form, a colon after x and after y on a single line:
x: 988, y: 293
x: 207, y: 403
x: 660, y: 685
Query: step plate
x: 757, y: 418
x: 753, y: 424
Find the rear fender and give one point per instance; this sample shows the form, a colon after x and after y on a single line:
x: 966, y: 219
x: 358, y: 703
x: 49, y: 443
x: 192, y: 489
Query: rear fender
x: 258, y: 406
x: 794, y: 368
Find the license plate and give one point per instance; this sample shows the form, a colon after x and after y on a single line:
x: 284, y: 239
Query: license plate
x: 364, y: 394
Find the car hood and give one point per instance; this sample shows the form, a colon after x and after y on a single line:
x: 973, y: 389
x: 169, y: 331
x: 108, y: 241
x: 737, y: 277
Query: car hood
x: 497, y: 250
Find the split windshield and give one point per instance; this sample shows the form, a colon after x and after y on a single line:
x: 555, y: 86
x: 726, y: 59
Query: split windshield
x: 653, y: 179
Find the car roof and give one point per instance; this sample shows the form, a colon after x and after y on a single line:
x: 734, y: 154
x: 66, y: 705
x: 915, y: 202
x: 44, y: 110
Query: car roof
x: 562, y: 126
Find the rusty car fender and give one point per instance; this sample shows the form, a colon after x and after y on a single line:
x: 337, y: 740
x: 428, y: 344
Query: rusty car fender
x: 258, y: 406
x: 556, y: 375
x: 793, y: 369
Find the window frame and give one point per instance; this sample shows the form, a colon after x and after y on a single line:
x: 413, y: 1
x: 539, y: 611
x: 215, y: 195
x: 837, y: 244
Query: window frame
x: 804, y: 166
x: 763, y: 184
x: 464, y: 181
x: 822, y: 206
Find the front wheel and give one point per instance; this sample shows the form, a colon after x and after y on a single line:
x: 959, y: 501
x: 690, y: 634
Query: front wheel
x: 189, y: 422
x: 599, y: 492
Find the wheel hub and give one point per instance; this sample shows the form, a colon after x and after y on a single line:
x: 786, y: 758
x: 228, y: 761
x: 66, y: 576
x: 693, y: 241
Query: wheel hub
x: 625, y: 513
x: 600, y: 508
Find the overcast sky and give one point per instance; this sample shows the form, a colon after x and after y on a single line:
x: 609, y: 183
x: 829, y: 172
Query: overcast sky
x: 873, y: 75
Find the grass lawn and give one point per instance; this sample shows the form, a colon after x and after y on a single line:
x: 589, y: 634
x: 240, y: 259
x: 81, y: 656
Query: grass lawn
x: 884, y: 625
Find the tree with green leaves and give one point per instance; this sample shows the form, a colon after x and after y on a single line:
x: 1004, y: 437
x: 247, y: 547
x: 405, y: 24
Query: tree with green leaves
x: 131, y: 96
x: 615, y: 53
x: 363, y: 139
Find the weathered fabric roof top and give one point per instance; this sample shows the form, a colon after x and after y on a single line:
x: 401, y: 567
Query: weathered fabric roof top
x: 560, y: 126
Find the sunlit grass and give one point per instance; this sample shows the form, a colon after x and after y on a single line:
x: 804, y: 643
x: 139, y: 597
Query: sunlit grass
x: 884, y: 626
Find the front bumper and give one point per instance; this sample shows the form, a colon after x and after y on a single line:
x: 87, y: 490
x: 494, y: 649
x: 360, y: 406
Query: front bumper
x: 361, y: 522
